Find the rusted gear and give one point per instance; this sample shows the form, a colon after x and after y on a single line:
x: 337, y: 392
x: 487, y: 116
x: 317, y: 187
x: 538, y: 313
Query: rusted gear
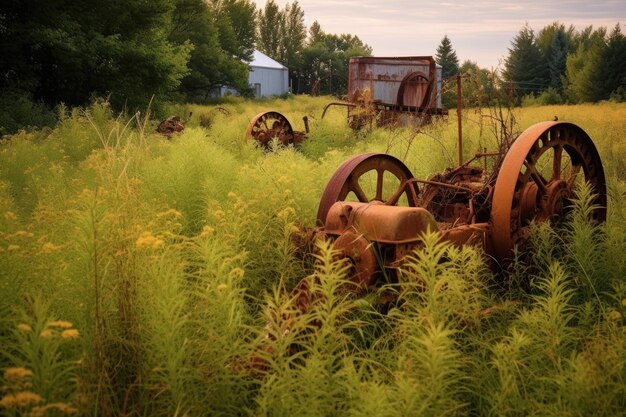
x: 268, y: 125
x: 536, y: 181
x: 346, y: 180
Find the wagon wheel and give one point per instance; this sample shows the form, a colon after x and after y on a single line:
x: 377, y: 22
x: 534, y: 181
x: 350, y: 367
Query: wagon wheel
x: 369, y: 177
x: 536, y: 181
x: 267, y: 125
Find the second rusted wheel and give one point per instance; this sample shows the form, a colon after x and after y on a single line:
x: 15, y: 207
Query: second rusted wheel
x: 537, y: 178
x: 268, y: 125
x: 369, y: 178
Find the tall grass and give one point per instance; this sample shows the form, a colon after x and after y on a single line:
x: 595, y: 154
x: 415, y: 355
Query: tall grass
x: 172, y: 265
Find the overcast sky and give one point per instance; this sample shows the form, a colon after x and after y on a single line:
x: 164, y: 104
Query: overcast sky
x: 480, y: 30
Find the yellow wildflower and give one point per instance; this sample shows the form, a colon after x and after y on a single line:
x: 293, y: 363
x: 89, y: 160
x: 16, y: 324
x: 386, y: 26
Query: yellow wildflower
x: 46, y: 333
x: 9, y: 215
x: 206, y: 231
x: 24, y: 327
x: 15, y: 374
x: 614, y: 315
x: 170, y: 212
x: 286, y: 212
x: 237, y: 273
x: 49, y: 247
x: 13, y: 247
x: 147, y: 240
x: 20, y: 399
x: 61, y: 324
x: 70, y: 334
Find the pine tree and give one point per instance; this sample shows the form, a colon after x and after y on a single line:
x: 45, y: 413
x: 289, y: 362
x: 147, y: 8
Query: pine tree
x: 612, y: 68
x: 446, y: 57
x: 558, y: 59
x: 525, y: 67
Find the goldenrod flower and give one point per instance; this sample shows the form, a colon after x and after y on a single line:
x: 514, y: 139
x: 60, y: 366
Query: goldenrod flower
x: 24, y: 327
x: 45, y: 333
x: 170, y: 212
x: 60, y: 324
x: 614, y: 315
x: 49, y: 247
x: 9, y: 215
x: 147, y: 240
x: 286, y: 212
x: 206, y: 231
x: 69, y: 334
x: 237, y: 273
x: 15, y: 374
x: 20, y: 399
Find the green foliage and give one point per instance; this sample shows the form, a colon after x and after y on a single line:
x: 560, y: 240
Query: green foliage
x: 446, y: 57
x: 525, y: 67
x: 175, y: 261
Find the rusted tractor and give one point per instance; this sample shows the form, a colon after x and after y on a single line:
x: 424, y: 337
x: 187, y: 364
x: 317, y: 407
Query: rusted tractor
x: 268, y: 125
x: 375, y: 211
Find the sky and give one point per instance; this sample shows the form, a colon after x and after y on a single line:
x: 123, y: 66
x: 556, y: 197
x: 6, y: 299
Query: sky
x: 479, y: 30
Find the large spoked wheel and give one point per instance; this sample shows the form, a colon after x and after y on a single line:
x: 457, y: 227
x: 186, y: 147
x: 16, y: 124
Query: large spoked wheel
x: 537, y: 178
x: 369, y: 178
x: 268, y: 125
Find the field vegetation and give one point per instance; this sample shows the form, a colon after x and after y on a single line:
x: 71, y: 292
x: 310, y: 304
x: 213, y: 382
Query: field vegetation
x: 141, y: 276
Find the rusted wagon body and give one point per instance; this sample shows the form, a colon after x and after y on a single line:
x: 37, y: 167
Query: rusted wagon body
x: 394, y: 90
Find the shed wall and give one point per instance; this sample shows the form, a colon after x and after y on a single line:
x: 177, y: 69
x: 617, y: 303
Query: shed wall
x: 269, y: 81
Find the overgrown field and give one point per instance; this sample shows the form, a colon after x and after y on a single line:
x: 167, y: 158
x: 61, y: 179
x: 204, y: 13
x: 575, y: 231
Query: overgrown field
x: 140, y: 276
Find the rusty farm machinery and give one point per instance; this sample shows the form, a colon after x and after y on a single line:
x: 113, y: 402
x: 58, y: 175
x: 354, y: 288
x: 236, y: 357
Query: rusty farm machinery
x: 386, y: 91
x: 374, y: 213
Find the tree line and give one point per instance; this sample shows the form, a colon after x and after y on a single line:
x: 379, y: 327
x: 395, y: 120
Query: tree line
x: 556, y: 65
x: 65, y: 51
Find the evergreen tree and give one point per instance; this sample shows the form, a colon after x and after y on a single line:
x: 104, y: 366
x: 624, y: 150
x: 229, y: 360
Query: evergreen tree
x: 525, y: 67
x: 581, y: 82
x: 446, y: 57
x: 557, y: 60
x: 612, y: 67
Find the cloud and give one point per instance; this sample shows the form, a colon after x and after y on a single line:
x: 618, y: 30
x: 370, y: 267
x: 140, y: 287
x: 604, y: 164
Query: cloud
x: 479, y: 30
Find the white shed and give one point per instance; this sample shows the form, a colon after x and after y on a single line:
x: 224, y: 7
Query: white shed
x: 267, y: 77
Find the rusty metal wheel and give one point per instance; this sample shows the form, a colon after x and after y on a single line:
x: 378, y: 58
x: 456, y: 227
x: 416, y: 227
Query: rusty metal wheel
x: 268, y: 125
x: 369, y: 178
x: 536, y: 181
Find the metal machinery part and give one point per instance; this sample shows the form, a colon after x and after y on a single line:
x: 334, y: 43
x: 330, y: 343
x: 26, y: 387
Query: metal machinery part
x: 374, y: 228
x: 271, y: 124
x: 527, y: 190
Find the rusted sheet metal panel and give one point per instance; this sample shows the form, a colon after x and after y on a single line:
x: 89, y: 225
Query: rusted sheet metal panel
x: 402, y: 81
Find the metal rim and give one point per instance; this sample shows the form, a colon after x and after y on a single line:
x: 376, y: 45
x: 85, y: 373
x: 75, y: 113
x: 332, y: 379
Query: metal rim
x: 346, y: 180
x: 270, y: 124
x: 522, y: 194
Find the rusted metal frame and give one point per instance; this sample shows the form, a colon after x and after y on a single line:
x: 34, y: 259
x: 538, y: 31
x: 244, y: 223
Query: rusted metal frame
x: 336, y: 103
